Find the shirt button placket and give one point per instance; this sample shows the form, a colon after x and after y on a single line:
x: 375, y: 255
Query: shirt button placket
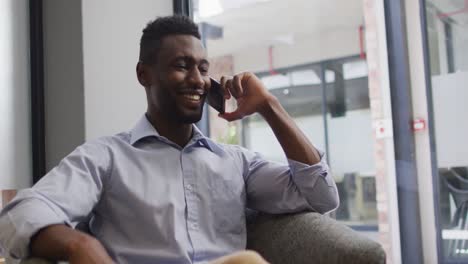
x: 190, y: 198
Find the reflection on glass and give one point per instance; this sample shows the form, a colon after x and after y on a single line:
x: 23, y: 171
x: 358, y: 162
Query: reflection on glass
x: 350, y: 140
x: 290, y: 45
x: 447, y: 23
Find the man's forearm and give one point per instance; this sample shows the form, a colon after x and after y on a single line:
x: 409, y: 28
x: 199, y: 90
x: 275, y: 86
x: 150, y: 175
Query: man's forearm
x: 59, y: 242
x: 293, y: 141
x: 56, y: 242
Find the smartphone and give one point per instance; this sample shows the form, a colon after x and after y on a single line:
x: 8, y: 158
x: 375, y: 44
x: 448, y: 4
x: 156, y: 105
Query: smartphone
x: 215, y: 97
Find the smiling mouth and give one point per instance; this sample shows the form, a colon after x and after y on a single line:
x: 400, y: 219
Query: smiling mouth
x: 192, y: 97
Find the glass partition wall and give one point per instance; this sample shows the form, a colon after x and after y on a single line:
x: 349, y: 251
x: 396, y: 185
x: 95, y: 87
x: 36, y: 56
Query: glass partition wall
x: 447, y: 36
x: 310, y: 55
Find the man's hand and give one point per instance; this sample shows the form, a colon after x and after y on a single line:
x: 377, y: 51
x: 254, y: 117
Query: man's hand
x: 253, y: 97
x: 250, y: 93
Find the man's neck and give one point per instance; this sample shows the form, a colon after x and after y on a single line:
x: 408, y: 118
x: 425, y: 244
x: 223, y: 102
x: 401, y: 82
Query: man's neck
x: 178, y: 133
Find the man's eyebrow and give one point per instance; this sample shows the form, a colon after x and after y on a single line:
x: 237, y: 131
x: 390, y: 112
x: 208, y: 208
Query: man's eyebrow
x: 191, y: 59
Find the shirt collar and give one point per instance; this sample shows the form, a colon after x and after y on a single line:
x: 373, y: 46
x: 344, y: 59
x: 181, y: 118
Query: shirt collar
x: 143, y: 129
x: 206, y: 141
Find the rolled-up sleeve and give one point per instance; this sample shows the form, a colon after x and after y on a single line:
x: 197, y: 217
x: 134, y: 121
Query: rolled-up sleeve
x: 286, y: 188
x: 67, y: 194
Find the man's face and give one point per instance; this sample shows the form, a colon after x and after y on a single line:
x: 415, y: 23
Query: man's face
x: 179, y: 79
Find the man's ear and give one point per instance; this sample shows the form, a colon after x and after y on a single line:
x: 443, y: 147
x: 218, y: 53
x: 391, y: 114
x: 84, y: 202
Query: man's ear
x: 143, y: 74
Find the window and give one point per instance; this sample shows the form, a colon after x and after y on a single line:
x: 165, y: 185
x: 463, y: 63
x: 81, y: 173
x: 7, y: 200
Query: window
x: 309, y: 55
x: 447, y: 28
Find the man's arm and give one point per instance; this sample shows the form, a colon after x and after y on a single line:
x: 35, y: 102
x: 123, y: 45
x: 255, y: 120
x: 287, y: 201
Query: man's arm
x: 67, y: 194
x: 306, y: 183
x: 60, y: 242
x: 295, y: 144
x: 253, y: 97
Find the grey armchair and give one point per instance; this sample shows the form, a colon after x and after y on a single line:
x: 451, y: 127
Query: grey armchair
x: 310, y: 238
x: 307, y: 238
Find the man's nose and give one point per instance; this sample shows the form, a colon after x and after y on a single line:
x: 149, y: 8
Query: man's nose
x: 197, y: 78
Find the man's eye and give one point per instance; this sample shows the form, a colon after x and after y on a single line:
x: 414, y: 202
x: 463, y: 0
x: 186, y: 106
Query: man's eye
x: 181, y: 66
x: 204, y: 70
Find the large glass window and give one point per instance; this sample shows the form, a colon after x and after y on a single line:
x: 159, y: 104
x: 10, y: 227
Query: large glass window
x: 447, y: 27
x: 310, y: 56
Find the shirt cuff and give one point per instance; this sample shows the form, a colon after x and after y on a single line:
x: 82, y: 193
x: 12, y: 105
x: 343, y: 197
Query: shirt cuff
x: 304, y: 174
x: 23, y: 221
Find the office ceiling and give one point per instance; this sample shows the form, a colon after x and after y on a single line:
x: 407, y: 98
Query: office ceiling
x: 260, y: 23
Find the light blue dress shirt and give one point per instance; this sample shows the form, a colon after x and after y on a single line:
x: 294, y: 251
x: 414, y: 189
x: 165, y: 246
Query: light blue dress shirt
x: 150, y: 201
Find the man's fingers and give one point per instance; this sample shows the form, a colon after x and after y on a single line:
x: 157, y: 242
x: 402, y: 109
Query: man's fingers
x: 223, y: 81
x: 232, y: 116
x: 227, y: 88
x: 236, y: 89
x: 230, y: 86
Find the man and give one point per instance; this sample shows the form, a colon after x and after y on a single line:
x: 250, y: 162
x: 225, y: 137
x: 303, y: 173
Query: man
x: 162, y: 192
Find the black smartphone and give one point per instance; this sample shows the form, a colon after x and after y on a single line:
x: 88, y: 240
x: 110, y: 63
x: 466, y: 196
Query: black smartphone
x: 215, y: 96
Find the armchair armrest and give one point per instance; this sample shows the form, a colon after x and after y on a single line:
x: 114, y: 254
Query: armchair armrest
x: 310, y: 238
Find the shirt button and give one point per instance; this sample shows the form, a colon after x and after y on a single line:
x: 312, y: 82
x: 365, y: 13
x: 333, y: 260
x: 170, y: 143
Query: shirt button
x: 189, y: 187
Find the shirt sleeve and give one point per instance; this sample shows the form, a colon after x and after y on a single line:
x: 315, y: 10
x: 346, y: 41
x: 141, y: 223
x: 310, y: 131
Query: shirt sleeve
x: 67, y: 194
x: 287, y: 188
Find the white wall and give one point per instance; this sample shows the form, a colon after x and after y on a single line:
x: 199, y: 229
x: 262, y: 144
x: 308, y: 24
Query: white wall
x: 114, y: 99
x: 90, y: 53
x: 15, y: 138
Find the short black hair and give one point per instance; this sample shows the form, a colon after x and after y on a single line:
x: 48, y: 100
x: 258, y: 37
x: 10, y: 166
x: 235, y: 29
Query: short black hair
x: 156, y: 30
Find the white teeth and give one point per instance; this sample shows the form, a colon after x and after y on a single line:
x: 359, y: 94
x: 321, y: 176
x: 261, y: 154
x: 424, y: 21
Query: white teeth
x: 194, y: 97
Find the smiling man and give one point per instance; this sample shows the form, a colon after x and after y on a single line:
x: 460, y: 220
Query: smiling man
x: 162, y: 192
